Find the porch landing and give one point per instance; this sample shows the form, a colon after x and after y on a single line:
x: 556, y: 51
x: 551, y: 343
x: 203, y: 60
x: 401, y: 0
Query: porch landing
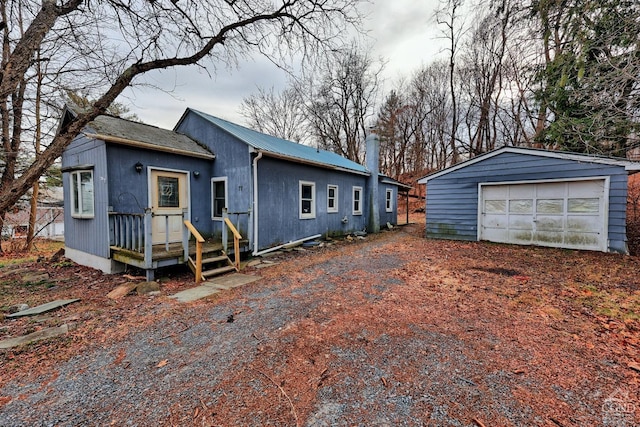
x: 163, y: 257
x: 160, y: 252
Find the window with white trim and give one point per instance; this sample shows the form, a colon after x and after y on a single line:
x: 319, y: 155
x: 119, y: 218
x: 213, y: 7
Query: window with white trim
x: 389, y: 200
x: 82, y: 205
x: 218, y: 197
x: 332, y: 198
x: 357, y: 200
x: 307, y: 200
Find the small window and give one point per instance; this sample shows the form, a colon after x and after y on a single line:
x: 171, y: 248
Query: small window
x: 389, y: 201
x: 495, y: 206
x: 82, y: 194
x: 218, y: 197
x: 521, y: 206
x: 357, y: 200
x: 332, y: 198
x: 307, y: 200
x: 584, y: 205
x: 168, y: 192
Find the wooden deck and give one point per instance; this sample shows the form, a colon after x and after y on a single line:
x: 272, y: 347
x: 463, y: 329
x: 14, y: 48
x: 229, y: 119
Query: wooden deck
x: 162, y: 255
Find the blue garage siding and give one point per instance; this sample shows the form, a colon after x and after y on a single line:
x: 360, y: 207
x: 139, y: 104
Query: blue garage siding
x: 89, y: 235
x: 452, y: 199
x: 278, y: 205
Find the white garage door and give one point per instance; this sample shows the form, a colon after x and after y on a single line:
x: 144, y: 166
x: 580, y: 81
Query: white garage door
x: 559, y: 214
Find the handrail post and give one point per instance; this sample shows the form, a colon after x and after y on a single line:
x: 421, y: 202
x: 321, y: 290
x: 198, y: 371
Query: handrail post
x: 236, y: 243
x: 198, y: 261
x: 185, y: 236
x: 148, y: 245
x: 166, y: 233
x: 199, y: 242
x: 236, y: 254
x: 249, y: 227
x: 225, y: 235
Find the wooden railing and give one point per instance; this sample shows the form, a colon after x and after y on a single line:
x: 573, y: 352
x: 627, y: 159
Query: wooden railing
x: 132, y: 231
x: 236, y: 243
x: 199, y: 242
x: 127, y: 230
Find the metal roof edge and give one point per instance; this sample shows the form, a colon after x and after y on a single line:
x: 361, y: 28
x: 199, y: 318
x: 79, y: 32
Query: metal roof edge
x: 256, y: 148
x: 388, y: 180
x: 308, y: 162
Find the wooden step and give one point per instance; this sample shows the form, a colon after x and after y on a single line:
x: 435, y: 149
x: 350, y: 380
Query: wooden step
x: 218, y: 271
x: 215, y: 259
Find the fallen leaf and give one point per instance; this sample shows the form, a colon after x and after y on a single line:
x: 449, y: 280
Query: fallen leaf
x: 162, y: 363
x: 635, y: 366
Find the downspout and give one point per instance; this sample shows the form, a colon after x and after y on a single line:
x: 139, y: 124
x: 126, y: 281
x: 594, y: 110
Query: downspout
x: 255, y: 202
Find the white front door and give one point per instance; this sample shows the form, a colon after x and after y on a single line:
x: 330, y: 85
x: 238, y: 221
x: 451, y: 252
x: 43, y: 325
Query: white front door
x: 559, y: 214
x: 169, y: 197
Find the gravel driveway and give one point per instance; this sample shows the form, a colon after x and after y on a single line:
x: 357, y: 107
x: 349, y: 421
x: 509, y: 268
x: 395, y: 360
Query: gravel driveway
x: 393, y: 330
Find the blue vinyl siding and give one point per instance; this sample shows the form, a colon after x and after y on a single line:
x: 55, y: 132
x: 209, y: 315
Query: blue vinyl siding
x: 233, y: 160
x: 278, y: 204
x: 278, y: 180
x: 452, y: 199
x: 90, y: 235
x: 128, y: 190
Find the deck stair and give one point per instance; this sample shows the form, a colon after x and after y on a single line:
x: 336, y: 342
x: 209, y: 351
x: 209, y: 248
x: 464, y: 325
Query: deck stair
x: 213, y: 264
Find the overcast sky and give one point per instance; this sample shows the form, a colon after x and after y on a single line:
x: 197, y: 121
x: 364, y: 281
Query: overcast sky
x: 402, y: 32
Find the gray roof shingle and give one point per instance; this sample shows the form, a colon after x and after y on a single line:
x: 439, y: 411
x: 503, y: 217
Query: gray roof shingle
x: 127, y: 132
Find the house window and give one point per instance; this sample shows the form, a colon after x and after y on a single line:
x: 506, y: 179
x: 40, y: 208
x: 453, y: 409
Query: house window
x: 332, y: 198
x: 357, y: 200
x: 389, y: 201
x: 218, y: 197
x: 307, y: 200
x: 82, y: 194
x: 168, y: 192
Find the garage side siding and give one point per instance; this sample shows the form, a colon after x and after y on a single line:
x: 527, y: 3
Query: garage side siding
x: 452, y: 198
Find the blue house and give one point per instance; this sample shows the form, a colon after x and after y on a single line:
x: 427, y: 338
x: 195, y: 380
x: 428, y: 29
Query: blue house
x: 135, y: 194
x: 532, y: 197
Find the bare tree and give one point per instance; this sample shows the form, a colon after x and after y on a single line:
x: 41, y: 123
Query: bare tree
x: 342, y: 100
x: 482, y: 73
x: 278, y: 114
x: 109, y: 44
x: 449, y: 16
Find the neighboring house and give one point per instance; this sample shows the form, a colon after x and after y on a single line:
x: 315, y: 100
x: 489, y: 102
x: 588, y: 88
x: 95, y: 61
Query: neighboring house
x: 532, y: 197
x: 130, y: 187
x: 49, y: 217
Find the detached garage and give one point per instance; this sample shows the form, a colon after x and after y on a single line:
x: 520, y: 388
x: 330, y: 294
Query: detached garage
x: 532, y: 197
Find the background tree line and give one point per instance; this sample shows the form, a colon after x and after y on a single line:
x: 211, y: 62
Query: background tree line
x: 555, y: 74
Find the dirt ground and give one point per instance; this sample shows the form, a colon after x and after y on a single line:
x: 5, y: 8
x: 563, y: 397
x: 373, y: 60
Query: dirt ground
x: 391, y: 330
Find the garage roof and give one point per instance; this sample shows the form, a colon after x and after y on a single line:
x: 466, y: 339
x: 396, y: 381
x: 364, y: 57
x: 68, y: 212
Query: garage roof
x: 627, y: 164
